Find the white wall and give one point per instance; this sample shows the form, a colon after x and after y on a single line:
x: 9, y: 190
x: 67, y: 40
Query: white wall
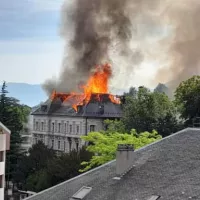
x: 1, y: 193
x: 2, y: 142
x: 2, y: 168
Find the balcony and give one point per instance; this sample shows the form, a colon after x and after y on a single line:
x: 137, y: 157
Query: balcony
x: 2, y: 142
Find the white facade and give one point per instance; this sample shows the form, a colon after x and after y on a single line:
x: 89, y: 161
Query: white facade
x: 62, y: 133
x: 4, y: 145
x: 26, y: 135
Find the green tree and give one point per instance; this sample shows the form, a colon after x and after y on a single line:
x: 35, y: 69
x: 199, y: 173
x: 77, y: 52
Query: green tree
x: 148, y: 110
x: 39, y: 156
x: 187, y: 98
x: 12, y: 115
x: 31, y: 169
x: 38, y: 181
x: 104, y: 145
x: 114, y: 126
x: 42, y: 168
x: 67, y: 165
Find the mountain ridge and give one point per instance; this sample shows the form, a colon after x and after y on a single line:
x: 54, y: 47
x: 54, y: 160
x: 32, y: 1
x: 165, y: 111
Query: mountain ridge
x: 26, y: 93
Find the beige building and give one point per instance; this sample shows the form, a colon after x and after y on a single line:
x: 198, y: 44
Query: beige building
x: 59, y: 126
x: 4, y: 146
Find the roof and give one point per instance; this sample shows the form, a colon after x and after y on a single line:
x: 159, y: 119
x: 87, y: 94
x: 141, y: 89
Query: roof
x: 5, y: 128
x: 169, y: 168
x: 92, y: 109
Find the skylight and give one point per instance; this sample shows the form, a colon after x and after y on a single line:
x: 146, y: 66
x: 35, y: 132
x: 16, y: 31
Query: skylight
x: 154, y: 197
x: 82, y: 193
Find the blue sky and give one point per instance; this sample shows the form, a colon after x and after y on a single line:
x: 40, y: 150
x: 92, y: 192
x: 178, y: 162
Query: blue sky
x: 31, y: 48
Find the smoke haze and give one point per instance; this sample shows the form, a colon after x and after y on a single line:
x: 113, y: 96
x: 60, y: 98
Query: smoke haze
x: 126, y: 34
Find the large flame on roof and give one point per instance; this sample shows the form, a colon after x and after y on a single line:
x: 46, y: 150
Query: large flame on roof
x: 96, y: 84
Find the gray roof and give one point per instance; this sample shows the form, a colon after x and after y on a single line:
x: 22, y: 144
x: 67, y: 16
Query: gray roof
x: 169, y: 168
x: 92, y: 109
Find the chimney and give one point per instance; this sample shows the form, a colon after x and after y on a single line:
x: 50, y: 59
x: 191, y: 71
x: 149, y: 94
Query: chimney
x: 124, y: 158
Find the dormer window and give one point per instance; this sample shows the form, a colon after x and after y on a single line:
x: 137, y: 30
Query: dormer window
x: 44, y: 108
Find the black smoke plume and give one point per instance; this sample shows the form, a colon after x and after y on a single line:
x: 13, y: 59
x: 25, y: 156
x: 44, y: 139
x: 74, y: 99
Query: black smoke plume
x: 96, y: 27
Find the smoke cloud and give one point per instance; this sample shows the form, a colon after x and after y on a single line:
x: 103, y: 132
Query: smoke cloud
x: 183, y: 44
x: 126, y: 34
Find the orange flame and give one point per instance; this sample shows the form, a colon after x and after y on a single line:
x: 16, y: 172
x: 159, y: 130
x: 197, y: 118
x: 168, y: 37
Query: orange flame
x: 96, y: 84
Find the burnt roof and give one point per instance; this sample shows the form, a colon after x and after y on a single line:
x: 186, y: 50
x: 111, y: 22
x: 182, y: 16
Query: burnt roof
x: 169, y: 168
x: 101, y: 109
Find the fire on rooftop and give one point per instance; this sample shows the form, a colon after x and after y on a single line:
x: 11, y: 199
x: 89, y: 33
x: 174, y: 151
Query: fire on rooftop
x: 96, y: 89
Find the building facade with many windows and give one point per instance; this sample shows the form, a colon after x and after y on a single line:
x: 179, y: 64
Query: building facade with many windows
x: 60, y: 127
x: 4, y: 146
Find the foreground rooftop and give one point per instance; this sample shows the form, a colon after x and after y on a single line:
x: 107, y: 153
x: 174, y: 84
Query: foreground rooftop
x: 169, y: 168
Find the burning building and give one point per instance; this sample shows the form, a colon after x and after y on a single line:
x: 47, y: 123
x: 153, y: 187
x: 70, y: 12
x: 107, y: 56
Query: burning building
x: 64, y: 117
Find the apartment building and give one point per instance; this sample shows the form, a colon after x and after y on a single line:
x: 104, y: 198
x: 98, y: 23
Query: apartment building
x: 4, y: 146
x: 60, y: 127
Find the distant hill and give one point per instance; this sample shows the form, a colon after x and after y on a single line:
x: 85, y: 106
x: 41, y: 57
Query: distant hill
x: 28, y: 94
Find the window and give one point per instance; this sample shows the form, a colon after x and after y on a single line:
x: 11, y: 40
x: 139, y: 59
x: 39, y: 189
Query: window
x: 82, y: 193
x: 92, y: 128
x: 70, y: 144
x: 53, y: 127
x: 1, y: 156
x: 70, y: 128
x: 42, y: 125
x: 64, y: 146
x: 58, y: 144
x: 36, y: 126
x: 77, y: 129
x: 154, y: 197
x: 59, y: 127
x: 52, y: 144
x: 65, y: 129
x: 77, y: 146
x: 36, y: 140
x: 74, y: 127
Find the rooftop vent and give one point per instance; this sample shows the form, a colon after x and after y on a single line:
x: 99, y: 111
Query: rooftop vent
x: 82, y: 193
x: 154, y: 197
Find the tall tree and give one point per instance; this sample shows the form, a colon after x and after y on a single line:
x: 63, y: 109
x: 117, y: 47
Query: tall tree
x: 187, y: 98
x: 148, y: 110
x: 13, y: 116
x: 67, y: 165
